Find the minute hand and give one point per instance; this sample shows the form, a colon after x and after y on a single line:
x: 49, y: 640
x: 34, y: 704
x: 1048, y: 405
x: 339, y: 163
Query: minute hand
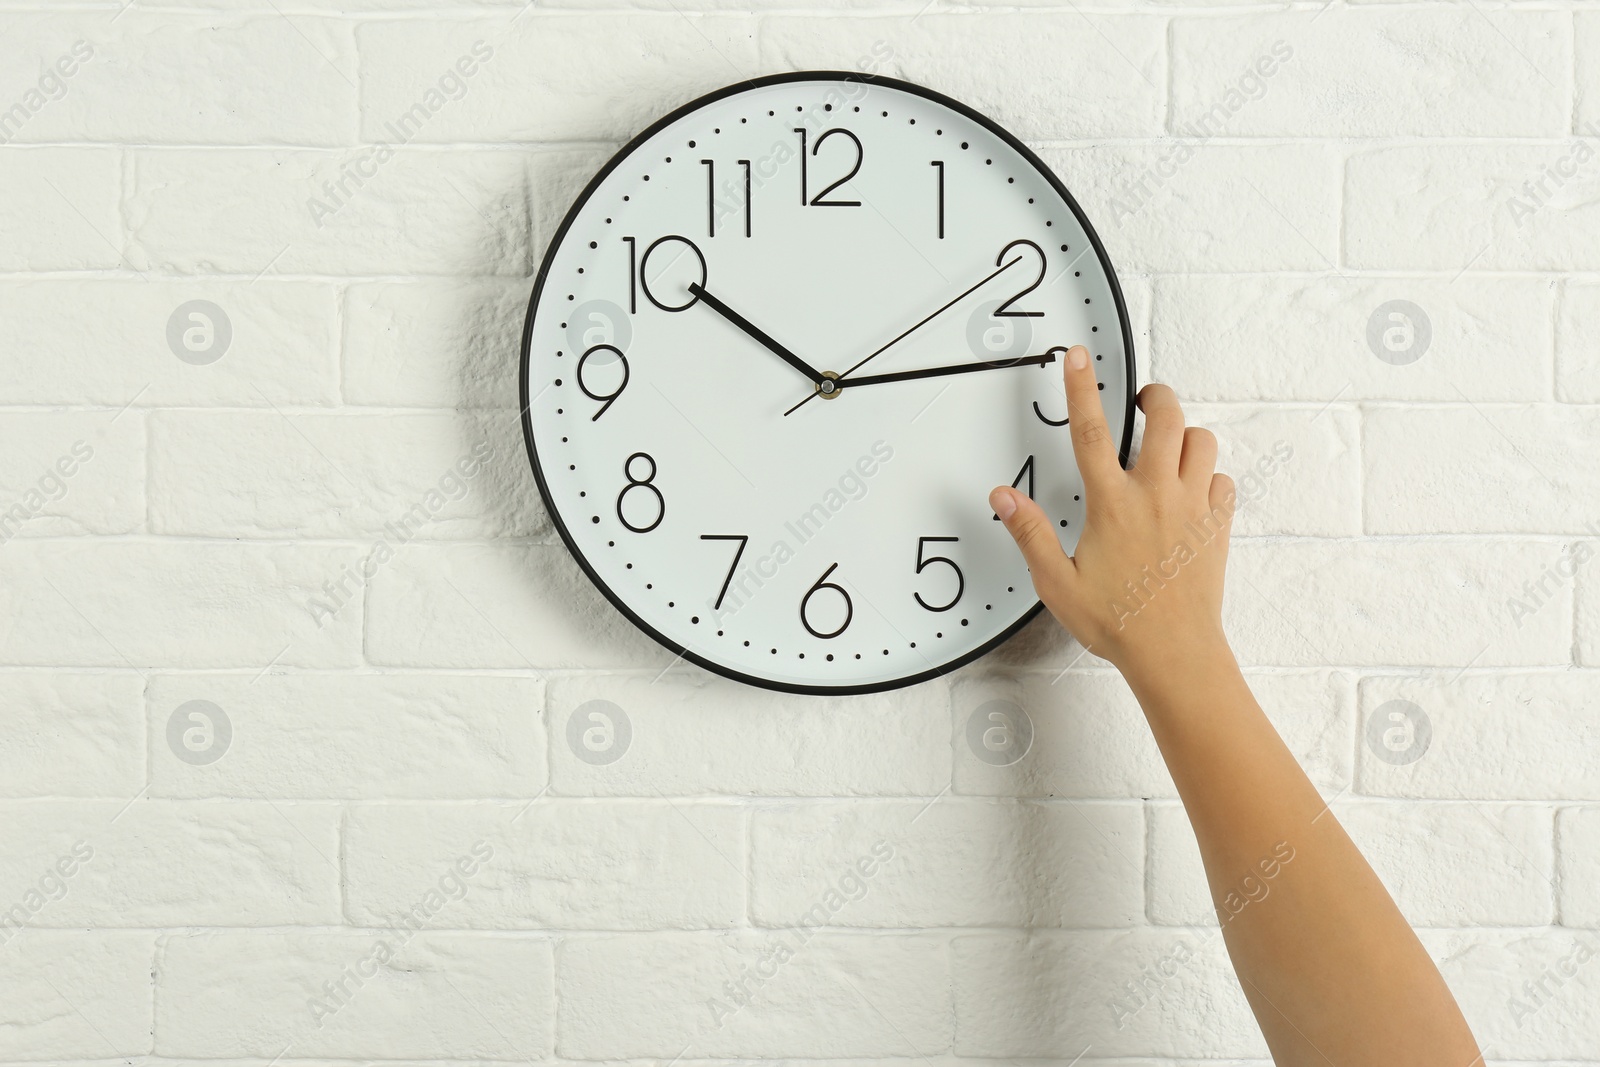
x: 846, y: 384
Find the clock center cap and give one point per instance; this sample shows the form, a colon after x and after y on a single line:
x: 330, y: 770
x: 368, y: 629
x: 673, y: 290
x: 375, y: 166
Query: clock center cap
x: 829, y: 388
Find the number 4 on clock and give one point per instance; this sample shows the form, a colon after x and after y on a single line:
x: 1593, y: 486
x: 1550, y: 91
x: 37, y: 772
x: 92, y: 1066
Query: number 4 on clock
x: 1025, y: 472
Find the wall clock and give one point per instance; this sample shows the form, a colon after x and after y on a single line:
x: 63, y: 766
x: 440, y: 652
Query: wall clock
x: 777, y: 355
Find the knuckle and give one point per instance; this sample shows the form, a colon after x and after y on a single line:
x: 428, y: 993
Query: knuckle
x: 1093, y: 432
x: 1031, y: 536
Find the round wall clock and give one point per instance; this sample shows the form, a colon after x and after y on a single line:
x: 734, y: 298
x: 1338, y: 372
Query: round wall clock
x: 777, y: 355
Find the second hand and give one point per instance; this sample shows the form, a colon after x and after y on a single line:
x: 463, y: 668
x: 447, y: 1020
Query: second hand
x: 912, y: 329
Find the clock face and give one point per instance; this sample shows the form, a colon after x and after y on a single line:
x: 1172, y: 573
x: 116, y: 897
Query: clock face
x: 724, y: 378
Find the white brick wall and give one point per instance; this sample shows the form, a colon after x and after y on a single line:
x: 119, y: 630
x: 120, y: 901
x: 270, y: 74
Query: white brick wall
x: 407, y: 851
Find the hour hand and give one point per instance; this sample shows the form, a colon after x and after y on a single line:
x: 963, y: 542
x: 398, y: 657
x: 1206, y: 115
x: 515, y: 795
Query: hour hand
x: 755, y: 331
x: 939, y: 372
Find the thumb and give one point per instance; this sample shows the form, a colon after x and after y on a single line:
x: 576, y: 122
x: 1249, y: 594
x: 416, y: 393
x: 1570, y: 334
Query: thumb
x: 1030, y: 527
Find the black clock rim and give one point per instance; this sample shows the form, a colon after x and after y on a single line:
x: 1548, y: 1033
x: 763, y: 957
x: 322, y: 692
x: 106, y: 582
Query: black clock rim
x: 578, y: 205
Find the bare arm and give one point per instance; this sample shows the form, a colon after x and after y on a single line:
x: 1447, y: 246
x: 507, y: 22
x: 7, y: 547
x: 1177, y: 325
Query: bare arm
x: 1331, y: 968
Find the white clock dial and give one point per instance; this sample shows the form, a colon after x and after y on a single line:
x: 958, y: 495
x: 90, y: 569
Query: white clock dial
x: 723, y: 387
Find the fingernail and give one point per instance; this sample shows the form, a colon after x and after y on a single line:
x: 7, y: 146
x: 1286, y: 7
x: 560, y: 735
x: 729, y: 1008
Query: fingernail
x: 1003, y: 503
x: 1078, y: 356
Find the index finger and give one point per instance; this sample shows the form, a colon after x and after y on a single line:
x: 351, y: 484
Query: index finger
x: 1092, y: 446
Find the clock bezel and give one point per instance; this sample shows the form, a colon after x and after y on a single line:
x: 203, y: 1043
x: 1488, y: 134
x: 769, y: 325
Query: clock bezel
x: 618, y: 602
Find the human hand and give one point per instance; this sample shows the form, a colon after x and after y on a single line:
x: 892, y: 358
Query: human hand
x: 1144, y: 588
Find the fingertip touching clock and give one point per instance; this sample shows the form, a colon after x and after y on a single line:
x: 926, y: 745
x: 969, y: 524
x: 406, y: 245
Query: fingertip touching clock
x: 777, y: 355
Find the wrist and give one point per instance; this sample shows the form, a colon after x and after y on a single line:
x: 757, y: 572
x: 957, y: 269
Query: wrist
x: 1178, y: 666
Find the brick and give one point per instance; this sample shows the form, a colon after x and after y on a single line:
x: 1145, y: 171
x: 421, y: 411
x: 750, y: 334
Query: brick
x: 1373, y: 72
x: 1587, y: 29
x: 71, y: 734
x: 159, y: 863
x: 560, y: 865
x: 873, y: 7
x: 254, y: 211
x: 282, y: 346
x: 77, y: 994
x: 357, y: 736
x: 387, y: 479
x: 819, y: 995
x: 1541, y: 594
x: 345, y: 6
x: 534, y: 77
x: 58, y: 209
x: 1062, y: 864
x: 71, y: 473
x: 692, y: 733
x: 1578, y: 872
x: 1296, y: 470
x: 1400, y: 603
x: 517, y: 606
x: 410, y: 994
x: 560, y: 175
x: 1479, y: 469
x: 1578, y: 343
x: 1138, y: 195
x: 1305, y: 337
x: 1445, y: 864
x: 165, y: 79
x: 434, y: 343
x: 1500, y: 736
x: 1058, y: 82
x: 1124, y: 993
x: 1090, y: 739
x: 1529, y: 994
x: 175, y: 604
x: 1479, y: 207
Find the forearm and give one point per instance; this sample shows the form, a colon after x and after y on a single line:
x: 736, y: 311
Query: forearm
x: 1331, y: 968
x: 1321, y: 950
